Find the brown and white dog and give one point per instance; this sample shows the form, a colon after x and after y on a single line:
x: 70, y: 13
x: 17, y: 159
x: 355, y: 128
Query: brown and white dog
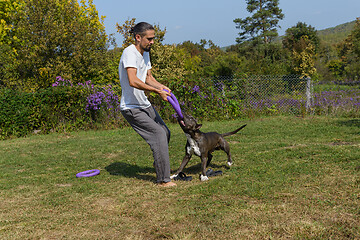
x: 202, y: 144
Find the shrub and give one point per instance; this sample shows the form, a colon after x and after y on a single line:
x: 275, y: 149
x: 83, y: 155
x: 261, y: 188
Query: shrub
x: 62, y: 107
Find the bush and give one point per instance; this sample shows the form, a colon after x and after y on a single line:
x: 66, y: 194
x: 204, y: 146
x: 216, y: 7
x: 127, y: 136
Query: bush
x: 62, y: 107
x: 46, y: 110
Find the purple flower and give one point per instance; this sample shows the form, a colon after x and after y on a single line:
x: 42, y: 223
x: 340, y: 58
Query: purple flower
x: 196, y: 88
x: 61, y: 82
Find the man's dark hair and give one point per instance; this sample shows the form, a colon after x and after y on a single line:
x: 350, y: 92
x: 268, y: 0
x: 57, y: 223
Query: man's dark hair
x: 141, y: 28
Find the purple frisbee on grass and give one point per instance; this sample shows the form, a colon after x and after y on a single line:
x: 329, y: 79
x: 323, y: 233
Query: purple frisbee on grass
x: 88, y: 173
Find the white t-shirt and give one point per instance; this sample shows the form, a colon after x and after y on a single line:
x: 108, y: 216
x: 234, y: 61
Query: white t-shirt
x: 133, y: 97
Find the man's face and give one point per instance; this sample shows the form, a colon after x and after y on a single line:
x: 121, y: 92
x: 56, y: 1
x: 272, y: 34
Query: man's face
x: 147, y: 40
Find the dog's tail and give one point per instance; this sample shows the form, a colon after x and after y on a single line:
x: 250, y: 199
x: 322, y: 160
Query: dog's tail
x: 233, y: 132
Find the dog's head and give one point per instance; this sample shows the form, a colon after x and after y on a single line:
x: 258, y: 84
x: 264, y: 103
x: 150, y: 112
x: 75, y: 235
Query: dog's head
x: 189, y: 124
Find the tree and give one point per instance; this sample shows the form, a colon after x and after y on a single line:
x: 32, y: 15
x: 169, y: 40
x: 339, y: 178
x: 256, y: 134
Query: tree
x: 7, y: 9
x: 303, y: 43
x: 269, y: 59
x: 207, y: 59
x: 349, y: 52
x: 294, y: 35
x: 124, y: 30
x: 49, y: 38
x: 262, y: 24
x: 303, y: 58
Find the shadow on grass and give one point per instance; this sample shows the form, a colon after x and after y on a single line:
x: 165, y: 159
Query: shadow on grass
x: 350, y: 123
x: 147, y: 173
x: 196, y: 169
x: 128, y: 170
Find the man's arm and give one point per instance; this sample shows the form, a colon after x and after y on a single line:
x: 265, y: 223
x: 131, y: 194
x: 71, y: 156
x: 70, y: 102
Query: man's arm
x: 150, y: 84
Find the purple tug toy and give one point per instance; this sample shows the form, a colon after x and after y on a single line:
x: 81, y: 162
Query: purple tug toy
x: 175, y: 104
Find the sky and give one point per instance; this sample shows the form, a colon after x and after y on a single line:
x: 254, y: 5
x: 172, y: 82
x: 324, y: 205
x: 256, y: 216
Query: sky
x: 193, y: 20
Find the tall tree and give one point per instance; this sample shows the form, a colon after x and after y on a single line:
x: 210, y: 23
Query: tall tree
x: 262, y: 24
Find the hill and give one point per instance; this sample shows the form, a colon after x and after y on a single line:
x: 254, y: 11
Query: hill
x: 336, y: 34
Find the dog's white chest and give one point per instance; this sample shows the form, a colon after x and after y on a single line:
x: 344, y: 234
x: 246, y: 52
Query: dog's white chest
x: 193, y: 147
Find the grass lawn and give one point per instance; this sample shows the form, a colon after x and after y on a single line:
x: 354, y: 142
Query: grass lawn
x: 292, y: 178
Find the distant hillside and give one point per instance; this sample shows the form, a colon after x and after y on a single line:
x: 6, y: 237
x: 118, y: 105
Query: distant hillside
x: 331, y: 35
x: 336, y: 34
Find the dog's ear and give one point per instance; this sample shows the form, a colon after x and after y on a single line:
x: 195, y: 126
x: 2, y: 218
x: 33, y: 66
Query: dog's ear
x: 198, y: 126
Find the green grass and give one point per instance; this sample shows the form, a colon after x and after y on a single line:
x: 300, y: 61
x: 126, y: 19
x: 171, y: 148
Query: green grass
x: 332, y: 87
x: 293, y: 178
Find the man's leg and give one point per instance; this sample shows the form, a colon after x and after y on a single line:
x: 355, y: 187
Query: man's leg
x: 149, y: 125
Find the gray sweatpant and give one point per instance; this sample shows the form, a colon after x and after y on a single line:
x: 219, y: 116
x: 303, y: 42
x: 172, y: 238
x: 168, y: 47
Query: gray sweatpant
x: 149, y: 125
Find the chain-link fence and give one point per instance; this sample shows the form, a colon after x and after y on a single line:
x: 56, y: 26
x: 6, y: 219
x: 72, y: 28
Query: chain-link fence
x: 288, y: 94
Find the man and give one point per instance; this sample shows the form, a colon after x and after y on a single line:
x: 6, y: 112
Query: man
x: 135, y: 78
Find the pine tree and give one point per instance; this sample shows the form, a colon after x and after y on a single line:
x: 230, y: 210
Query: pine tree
x: 262, y: 24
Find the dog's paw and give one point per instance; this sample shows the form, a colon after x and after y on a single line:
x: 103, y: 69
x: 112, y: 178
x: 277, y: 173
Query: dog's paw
x: 203, y: 178
x: 229, y: 164
x: 173, y: 176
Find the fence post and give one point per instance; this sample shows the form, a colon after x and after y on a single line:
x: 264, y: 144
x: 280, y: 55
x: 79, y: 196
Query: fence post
x: 308, y: 94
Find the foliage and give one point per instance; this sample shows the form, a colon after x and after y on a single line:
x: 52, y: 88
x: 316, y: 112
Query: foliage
x: 303, y: 58
x: 335, y: 49
x: 262, y: 59
x: 168, y: 63
x: 352, y: 57
x: 109, y: 74
x: 203, y: 58
x: 294, y: 37
x: 63, y: 107
x: 51, y: 38
x: 337, y: 68
x: 349, y: 53
x: 337, y: 34
x: 226, y: 65
x: 124, y: 30
x: 46, y: 110
x: 302, y: 41
x: 262, y: 24
x: 7, y: 9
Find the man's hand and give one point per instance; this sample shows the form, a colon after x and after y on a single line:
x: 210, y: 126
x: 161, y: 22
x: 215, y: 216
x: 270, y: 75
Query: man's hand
x: 164, y: 94
x: 159, y: 88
